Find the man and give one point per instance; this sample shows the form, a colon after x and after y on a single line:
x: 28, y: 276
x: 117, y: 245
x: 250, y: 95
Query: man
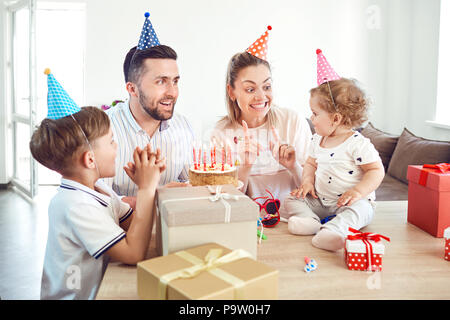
x: 148, y: 117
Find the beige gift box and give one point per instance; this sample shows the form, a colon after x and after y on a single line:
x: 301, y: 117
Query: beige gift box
x: 191, y: 216
x: 209, y: 271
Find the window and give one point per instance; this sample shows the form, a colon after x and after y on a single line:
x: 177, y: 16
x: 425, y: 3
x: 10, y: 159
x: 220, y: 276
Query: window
x: 442, y: 101
x: 60, y: 46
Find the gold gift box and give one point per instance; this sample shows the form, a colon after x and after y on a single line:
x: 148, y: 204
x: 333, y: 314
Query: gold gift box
x: 209, y: 271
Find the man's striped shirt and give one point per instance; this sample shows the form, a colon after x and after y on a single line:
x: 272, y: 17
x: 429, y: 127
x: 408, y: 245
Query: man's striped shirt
x: 174, y: 137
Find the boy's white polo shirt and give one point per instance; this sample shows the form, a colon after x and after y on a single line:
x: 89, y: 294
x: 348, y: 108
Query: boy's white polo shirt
x: 83, y: 224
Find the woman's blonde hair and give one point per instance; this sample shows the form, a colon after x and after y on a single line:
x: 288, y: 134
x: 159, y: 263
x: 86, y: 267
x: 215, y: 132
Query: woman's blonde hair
x: 349, y: 100
x: 238, y: 62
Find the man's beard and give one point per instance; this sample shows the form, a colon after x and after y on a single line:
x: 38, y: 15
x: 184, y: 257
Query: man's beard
x: 154, y: 112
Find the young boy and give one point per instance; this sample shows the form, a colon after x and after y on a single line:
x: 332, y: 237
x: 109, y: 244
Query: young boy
x: 88, y: 224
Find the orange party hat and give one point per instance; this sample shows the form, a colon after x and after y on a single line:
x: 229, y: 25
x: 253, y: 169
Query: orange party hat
x: 259, y: 47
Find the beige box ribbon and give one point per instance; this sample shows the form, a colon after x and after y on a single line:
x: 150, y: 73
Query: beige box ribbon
x: 211, y: 264
x: 218, y: 196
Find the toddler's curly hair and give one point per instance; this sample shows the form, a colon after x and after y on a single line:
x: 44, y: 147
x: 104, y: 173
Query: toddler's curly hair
x: 351, y: 102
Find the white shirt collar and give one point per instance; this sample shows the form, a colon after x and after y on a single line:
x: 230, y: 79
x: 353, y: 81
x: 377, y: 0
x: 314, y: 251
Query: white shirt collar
x: 100, y: 197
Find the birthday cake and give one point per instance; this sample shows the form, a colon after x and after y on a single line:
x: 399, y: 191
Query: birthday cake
x: 213, y: 174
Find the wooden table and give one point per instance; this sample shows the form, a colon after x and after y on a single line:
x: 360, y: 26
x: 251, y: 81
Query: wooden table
x: 413, y: 265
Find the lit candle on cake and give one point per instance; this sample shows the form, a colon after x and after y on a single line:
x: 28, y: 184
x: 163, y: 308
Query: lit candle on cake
x: 204, y: 158
x: 195, y: 160
x: 199, y: 156
x: 214, y: 152
x: 229, y: 155
x: 223, y: 157
x: 211, y: 152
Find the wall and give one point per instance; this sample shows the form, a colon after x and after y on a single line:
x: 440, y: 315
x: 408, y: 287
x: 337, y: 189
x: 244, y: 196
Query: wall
x: 403, y: 57
x: 395, y: 58
x: 391, y: 47
x: 206, y: 36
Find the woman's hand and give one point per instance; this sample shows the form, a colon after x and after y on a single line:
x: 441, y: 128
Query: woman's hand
x: 283, y: 153
x: 249, y: 150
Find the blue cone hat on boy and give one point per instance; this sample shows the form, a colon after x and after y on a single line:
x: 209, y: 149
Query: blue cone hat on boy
x: 59, y: 103
x: 148, y: 37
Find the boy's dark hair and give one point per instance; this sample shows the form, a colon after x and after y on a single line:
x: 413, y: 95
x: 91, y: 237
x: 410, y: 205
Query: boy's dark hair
x: 127, y: 61
x: 55, y: 142
x: 137, y: 67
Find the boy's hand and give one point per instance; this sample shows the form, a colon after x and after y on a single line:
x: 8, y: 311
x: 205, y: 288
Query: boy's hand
x: 349, y: 198
x: 147, y: 169
x: 159, y: 160
x: 304, y: 190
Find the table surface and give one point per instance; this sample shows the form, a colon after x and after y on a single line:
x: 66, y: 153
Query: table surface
x: 413, y: 265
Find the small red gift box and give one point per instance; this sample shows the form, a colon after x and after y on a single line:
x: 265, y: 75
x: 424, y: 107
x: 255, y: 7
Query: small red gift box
x: 429, y: 197
x: 364, y: 251
x: 447, y: 244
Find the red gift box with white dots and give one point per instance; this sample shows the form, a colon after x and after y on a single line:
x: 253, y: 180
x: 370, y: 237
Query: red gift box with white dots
x: 447, y: 244
x: 356, y: 255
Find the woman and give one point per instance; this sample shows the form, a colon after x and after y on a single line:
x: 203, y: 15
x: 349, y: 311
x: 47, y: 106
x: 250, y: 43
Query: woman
x: 271, y: 142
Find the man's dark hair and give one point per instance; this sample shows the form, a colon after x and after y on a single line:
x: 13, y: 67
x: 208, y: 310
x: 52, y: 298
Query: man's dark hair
x: 137, y: 67
x: 126, y: 63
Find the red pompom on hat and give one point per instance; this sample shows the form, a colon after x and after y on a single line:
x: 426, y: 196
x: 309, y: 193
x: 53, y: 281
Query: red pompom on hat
x: 260, y: 46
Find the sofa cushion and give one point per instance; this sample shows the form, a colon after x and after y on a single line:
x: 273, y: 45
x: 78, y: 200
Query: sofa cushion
x: 391, y: 189
x: 412, y: 150
x: 311, y: 125
x: 384, y: 142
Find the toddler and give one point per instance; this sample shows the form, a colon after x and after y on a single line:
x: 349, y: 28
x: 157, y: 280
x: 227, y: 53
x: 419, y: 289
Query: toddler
x: 342, y: 171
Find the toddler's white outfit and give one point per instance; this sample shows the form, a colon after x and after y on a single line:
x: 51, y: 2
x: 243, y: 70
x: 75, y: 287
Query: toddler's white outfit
x: 338, y: 170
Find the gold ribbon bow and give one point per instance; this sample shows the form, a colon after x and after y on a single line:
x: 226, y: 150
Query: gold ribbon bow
x: 210, y: 263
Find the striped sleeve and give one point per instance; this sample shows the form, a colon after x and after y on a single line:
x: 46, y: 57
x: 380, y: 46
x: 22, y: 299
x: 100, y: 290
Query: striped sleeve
x: 94, y: 227
x: 107, y: 246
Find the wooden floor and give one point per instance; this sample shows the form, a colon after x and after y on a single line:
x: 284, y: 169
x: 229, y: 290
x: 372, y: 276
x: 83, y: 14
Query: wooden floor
x: 23, y: 236
x: 413, y: 265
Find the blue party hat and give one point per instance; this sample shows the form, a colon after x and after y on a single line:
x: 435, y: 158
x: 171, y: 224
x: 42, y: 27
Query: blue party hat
x: 148, y: 37
x: 59, y: 103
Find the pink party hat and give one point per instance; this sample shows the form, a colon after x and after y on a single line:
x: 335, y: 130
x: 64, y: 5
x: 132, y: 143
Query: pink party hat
x: 259, y: 47
x: 324, y: 71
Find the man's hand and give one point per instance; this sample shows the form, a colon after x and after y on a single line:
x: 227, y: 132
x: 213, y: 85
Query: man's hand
x: 175, y: 184
x: 131, y: 201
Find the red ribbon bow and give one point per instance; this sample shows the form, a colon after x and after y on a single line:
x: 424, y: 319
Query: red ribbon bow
x: 365, y: 237
x: 440, y: 167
